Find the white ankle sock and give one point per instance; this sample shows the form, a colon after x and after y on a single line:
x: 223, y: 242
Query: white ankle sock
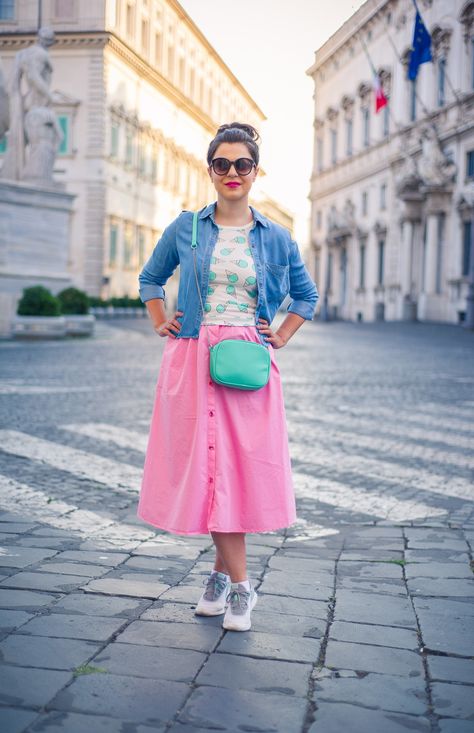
x: 245, y: 583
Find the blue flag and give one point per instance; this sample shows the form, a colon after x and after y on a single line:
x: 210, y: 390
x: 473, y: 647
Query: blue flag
x: 421, y: 50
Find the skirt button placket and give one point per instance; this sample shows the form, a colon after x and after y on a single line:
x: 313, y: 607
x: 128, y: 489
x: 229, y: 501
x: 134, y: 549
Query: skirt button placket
x: 211, y: 442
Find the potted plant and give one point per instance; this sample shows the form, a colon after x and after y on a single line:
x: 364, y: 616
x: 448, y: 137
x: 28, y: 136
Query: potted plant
x: 75, y: 309
x: 39, y: 315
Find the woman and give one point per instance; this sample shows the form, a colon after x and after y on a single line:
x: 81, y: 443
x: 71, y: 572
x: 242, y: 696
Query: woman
x: 217, y: 458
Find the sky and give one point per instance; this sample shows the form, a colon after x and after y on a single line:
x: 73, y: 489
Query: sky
x: 269, y: 45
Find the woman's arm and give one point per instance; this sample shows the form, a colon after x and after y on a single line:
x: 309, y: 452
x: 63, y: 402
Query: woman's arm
x: 285, y: 331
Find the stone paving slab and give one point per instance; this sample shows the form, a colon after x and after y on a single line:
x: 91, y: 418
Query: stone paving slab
x: 437, y: 570
x: 387, y: 636
x: 46, y: 652
x: 161, y: 663
x: 453, y: 700
x: 81, y: 722
x: 74, y: 568
x: 391, y: 586
x: 439, y: 587
x: 292, y: 606
x: 211, y: 707
x: 92, y: 628
x: 96, y: 558
x: 43, y: 581
x: 334, y: 717
x: 119, y: 587
x: 28, y: 687
x: 370, y: 569
x: 91, y: 604
x: 451, y: 669
x: 151, y: 702
x: 25, y: 599
x: 374, y: 608
x: 367, y: 658
x: 450, y: 725
x: 257, y: 675
x: 384, y: 691
x: 21, y: 557
x: 10, y: 620
x: 202, y: 638
x: 15, y: 720
x: 271, y: 646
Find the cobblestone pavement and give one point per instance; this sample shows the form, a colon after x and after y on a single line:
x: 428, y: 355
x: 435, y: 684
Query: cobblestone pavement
x: 365, y: 615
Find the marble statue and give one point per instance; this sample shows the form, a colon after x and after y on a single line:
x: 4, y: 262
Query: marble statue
x: 434, y: 166
x: 34, y: 135
x: 4, y: 105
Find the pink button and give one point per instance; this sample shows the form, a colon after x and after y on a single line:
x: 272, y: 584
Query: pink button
x: 211, y: 413
x: 211, y: 480
x: 211, y: 447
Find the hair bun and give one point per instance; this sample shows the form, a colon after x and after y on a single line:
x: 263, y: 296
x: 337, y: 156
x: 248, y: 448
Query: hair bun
x: 248, y: 129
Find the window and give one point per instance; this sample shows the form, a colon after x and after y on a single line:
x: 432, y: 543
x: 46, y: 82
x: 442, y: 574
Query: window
x: 381, y: 254
x: 113, y: 244
x: 158, y: 48
x: 470, y: 165
x: 128, y: 244
x: 413, y: 100
x: 383, y: 196
x: 362, y: 251
x: 441, y: 81
x: 130, y: 22
x: 170, y: 61
x: 182, y: 72
x: 63, y: 121
x: 7, y: 9
x: 145, y: 36
x: 129, y: 147
x: 466, y: 248
x: 365, y: 203
x: 3, y: 144
x: 365, y: 127
x: 319, y: 151
x: 386, y: 120
x: 141, y: 246
x: 333, y: 146
x: 348, y: 137
x: 114, y: 138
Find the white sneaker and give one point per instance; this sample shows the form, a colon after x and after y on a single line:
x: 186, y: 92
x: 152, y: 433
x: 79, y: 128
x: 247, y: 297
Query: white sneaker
x: 214, y: 599
x: 237, y: 616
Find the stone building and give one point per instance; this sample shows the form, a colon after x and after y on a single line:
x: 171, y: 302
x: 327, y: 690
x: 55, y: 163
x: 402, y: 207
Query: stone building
x: 139, y: 94
x: 391, y: 193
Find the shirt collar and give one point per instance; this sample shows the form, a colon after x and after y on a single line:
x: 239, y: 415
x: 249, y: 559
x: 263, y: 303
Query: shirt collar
x: 210, y: 211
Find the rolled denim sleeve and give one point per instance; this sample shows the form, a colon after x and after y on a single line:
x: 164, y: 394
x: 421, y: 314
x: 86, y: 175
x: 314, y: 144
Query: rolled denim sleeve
x: 160, y: 266
x: 303, y: 290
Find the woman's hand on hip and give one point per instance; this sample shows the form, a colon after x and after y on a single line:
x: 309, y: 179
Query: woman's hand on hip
x: 169, y: 327
x: 272, y: 336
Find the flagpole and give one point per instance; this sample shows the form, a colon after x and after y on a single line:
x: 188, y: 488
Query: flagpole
x: 448, y: 78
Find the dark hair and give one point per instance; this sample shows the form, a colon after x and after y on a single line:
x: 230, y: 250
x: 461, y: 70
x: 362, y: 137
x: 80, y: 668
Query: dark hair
x: 236, y: 132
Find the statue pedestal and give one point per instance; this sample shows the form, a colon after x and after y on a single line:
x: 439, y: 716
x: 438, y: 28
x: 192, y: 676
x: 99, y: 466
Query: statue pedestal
x: 34, y: 242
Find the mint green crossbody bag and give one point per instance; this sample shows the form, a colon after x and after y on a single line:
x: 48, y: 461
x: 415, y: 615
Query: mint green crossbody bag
x: 234, y: 362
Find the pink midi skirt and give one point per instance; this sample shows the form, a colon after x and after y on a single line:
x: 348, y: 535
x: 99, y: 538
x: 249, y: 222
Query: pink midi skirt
x: 217, y: 458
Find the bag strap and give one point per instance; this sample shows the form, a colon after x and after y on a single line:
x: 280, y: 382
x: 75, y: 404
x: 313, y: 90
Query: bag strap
x: 194, y: 244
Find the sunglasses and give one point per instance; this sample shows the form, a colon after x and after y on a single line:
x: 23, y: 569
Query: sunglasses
x: 242, y: 166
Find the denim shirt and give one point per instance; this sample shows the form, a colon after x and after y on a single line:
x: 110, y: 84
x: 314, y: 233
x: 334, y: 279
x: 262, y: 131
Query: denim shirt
x: 279, y: 269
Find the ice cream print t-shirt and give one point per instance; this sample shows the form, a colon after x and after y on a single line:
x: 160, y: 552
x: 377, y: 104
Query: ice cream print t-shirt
x: 232, y: 292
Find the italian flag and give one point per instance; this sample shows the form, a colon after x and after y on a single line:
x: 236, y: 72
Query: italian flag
x: 380, y: 98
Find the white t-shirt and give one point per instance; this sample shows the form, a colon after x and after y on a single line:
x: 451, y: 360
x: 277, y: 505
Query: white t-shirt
x: 232, y: 293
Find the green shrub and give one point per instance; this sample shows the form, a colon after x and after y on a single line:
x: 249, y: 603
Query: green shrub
x: 96, y: 302
x: 38, y: 301
x: 73, y: 301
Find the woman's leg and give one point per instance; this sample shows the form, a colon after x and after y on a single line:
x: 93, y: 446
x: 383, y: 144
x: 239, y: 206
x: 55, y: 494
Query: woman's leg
x: 230, y: 554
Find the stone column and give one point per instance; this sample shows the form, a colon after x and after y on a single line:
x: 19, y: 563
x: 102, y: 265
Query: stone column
x: 431, y: 253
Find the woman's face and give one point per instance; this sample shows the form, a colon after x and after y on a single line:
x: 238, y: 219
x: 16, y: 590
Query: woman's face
x: 232, y: 186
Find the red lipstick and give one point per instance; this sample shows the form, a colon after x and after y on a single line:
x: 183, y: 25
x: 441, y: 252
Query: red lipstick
x: 232, y: 184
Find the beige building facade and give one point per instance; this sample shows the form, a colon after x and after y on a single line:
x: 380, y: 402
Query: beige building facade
x: 139, y: 94
x: 391, y: 193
